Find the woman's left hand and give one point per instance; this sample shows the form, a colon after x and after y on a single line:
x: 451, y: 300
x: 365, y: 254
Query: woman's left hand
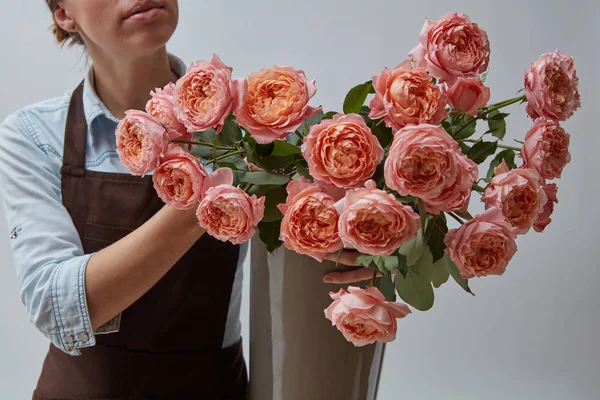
x: 347, y: 258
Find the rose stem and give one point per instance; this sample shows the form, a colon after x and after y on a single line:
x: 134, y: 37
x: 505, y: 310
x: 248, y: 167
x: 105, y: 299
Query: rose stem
x: 460, y: 221
x: 492, y: 107
x: 204, y: 144
x: 500, y: 145
x: 214, y: 160
x: 373, y: 279
x: 478, y: 188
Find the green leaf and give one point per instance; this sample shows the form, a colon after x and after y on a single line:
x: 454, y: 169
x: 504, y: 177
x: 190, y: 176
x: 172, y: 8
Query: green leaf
x: 274, y: 197
x: 260, y: 190
x: 269, y: 234
x: 386, y: 287
x: 384, y: 264
x: 436, y: 239
x: 482, y: 150
x: 415, y: 290
x: 439, y: 273
x: 356, y: 97
x: 293, y: 138
x: 497, y: 124
x: 302, y: 170
x: 206, y: 152
x: 464, y: 148
x: 271, y: 163
x: 231, y: 132
x: 330, y: 115
x: 464, y: 129
x: 484, y: 77
x: 249, y: 145
x: 264, y: 150
x: 264, y: 178
x: 508, y: 156
x: 383, y: 134
x: 413, y: 249
x: 453, y: 270
x: 281, y: 148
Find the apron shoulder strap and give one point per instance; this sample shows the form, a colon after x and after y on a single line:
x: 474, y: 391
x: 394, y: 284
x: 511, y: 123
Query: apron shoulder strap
x: 75, y: 136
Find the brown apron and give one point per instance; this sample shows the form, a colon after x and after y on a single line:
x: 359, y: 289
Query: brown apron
x: 168, y: 345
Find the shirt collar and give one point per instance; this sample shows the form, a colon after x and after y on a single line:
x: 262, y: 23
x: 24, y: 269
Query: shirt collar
x: 94, y: 107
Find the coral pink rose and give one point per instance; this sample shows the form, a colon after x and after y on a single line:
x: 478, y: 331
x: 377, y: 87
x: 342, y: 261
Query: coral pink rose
x: 227, y: 212
x: 546, y: 148
x: 179, y: 179
x: 342, y: 151
x: 425, y: 162
x: 204, y: 96
x: 482, y: 246
x: 452, y: 47
x: 375, y: 222
x: 310, y: 222
x: 273, y: 103
x: 544, y: 219
x: 141, y: 142
x: 518, y: 193
x: 406, y: 95
x: 160, y: 106
x: 552, y: 87
x: 363, y: 316
x: 468, y: 95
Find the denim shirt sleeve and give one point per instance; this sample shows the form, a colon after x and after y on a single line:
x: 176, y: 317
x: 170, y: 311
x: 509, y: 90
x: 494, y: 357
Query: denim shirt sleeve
x: 47, y: 250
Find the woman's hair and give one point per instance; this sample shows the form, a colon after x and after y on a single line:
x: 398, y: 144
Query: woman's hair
x: 63, y: 37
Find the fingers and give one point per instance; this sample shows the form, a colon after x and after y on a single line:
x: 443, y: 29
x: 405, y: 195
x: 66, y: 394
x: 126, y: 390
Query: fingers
x: 357, y: 275
x: 346, y: 258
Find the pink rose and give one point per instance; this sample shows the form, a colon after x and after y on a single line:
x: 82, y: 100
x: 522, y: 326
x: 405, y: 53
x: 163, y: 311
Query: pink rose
x: 227, y: 212
x: 204, y: 96
x: 375, y: 222
x: 363, y: 316
x: 179, y: 179
x: 552, y: 87
x: 452, y: 47
x: 310, y: 222
x: 160, y: 106
x: 482, y: 246
x: 518, y: 193
x: 141, y: 142
x: 544, y: 219
x: 546, y: 148
x: 273, y: 103
x: 468, y: 95
x: 425, y: 162
x: 342, y: 151
x: 406, y: 95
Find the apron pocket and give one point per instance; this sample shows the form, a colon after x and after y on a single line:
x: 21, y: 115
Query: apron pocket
x: 97, y: 236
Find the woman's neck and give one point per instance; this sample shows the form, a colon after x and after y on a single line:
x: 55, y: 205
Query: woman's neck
x: 124, y: 84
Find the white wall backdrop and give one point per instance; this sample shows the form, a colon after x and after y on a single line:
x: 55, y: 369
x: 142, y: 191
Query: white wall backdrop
x: 531, y: 334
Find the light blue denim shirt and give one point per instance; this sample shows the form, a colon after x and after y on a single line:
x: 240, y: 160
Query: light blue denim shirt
x: 47, y: 250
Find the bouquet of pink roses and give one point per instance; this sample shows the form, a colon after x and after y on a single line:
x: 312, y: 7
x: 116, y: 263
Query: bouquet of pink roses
x: 252, y: 155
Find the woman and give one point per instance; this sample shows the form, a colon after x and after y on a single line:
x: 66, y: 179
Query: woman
x: 123, y: 286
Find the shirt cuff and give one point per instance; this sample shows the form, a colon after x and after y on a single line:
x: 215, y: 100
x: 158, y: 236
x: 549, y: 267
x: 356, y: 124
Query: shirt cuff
x: 70, y: 305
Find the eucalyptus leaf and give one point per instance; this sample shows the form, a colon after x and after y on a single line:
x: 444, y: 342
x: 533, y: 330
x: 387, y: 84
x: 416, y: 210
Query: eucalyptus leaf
x: 269, y: 234
x: 386, y: 287
x: 281, y: 148
x: 415, y: 290
x: 293, y: 138
x: 482, y: 150
x: 413, y: 248
x: 264, y: 178
x: 302, y: 170
x: 427, y: 269
x: 455, y: 273
x: 436, y: 239
x: 274, y: 197
x: 356, y: 97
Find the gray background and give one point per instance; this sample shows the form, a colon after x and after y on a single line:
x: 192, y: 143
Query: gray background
x: 531, y: 334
